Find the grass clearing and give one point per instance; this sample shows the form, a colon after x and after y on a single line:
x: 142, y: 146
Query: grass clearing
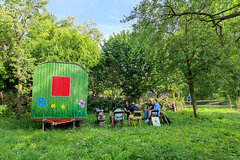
x: 215, y: 135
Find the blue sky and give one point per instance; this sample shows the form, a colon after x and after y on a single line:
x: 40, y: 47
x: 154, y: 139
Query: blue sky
x: 105, y: 13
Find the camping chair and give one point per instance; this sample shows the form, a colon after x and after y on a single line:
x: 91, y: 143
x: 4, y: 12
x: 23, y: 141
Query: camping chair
x: 139, y: 118
x: 160, y: 116
x: 116, y: 117
x: 100, y: 115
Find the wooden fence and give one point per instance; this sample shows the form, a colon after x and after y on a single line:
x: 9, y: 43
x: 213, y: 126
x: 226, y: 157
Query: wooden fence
x: 213, y: 103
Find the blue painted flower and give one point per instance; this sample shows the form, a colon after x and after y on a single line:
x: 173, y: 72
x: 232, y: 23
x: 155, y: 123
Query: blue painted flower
x: 41, y: 102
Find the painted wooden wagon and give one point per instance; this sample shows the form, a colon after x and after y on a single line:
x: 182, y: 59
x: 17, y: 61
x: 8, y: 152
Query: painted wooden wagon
x: 59, y: 93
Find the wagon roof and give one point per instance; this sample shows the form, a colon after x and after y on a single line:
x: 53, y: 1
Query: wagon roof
x: 64, y: 62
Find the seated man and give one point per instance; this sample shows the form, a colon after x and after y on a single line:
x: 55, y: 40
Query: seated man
x: 132, y: 109
x: 156, y: 108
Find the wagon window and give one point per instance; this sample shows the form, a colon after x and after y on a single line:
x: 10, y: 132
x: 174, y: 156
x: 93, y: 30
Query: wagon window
x: 61, y: 86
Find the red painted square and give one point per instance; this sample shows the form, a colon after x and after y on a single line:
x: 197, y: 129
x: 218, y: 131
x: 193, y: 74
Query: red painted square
x: 61, y: 86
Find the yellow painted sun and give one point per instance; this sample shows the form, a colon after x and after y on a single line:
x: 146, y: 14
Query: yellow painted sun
x: 63, y: 106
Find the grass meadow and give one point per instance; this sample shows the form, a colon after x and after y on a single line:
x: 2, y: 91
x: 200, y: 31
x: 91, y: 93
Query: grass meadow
x: 215, y: 135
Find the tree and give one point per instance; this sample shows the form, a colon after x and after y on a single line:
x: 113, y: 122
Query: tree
x: 65, y: 41
x: 29, y: 36
x: 182, y: 36
x: 16, y: 20
x: 125, y: 61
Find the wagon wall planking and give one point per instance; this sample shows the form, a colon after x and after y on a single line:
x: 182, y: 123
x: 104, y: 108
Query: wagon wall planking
x: 59, y: 107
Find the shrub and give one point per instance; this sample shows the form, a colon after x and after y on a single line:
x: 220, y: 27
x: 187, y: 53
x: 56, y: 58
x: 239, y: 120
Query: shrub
x: 237, y: 103
x: 3, y: 109
x: 107, y: 104
x: 167, y: 103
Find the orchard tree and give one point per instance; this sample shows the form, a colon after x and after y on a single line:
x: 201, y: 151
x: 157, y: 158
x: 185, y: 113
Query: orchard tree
x: 188, y: 36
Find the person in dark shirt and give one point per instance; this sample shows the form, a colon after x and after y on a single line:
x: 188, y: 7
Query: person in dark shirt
x: 149, y: 107
x: 127, y: 109
x: 132, y: 109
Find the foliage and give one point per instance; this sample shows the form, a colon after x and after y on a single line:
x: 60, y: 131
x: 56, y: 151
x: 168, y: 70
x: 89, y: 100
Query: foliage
x: 65, y: 41
x: 107, y: 104
x: 16, y: 21
x: 191, y: 39
x: 167, y: 103
x: 3, y: 109
x: 215, y: 135
x: 30, y: 36
x: 237, y: 103
x: 127, y: 64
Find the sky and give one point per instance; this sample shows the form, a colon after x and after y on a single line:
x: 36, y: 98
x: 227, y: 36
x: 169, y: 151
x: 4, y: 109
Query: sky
x: 105, y: 13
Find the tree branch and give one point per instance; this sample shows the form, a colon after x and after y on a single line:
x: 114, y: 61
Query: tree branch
x: 227, y: 9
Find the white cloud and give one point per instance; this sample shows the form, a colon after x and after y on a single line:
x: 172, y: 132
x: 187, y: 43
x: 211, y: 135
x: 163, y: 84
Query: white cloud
x: 109, y: 29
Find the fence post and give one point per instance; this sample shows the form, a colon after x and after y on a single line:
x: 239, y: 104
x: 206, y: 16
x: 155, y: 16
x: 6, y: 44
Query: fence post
x: 230, y: 102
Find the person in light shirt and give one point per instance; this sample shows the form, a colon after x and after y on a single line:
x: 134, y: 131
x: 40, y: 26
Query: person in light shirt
x: 156, y: 108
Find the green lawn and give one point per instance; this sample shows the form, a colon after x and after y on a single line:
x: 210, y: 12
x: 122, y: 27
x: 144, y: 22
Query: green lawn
x: 215, y: 135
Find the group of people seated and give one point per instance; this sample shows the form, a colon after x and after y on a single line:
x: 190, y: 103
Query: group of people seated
x: 129, y: 110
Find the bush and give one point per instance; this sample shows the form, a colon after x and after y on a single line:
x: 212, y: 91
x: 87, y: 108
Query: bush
x: 107, y: 104
x: 3, y: 109
x: 167, y: 103
x: 237, y: 103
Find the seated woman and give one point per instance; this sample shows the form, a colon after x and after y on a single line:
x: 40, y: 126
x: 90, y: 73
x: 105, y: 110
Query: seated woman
x: 149, y: 107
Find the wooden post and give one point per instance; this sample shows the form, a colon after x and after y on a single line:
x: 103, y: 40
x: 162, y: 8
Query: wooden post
x: 1, y: 96
x: 52, y: 126
x: 230, y: 102
x: 43, y: 124
x: 74, y: 121
x: 174, y: 106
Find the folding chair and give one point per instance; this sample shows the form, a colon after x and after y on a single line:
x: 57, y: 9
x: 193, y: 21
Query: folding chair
x: 114, y: 120
x: 139, y: 118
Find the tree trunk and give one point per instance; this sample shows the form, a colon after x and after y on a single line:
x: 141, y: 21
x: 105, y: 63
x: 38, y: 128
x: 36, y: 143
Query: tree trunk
x: 1, y: 95
x: 194, y: 103
x: 174, y: 102
x: 19, y: 89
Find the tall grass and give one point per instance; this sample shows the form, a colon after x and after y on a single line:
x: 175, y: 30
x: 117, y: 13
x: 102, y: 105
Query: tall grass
x: 215, y: 135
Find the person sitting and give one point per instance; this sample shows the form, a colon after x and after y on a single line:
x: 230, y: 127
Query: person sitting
x: 149, y: 107
x: 155, y: 108
x: 132, y: 109
x: 127, y: 109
